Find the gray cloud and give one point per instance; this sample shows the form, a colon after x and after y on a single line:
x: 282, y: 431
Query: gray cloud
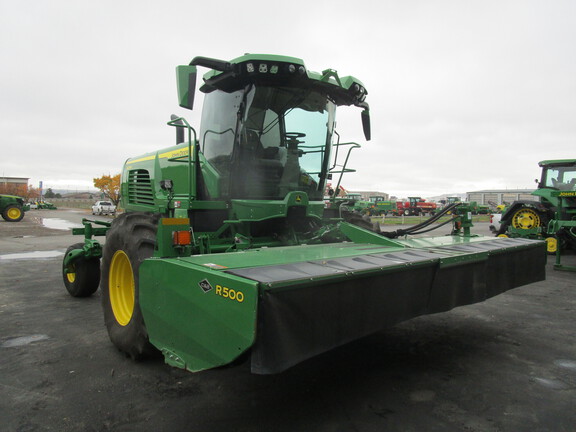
x: 463, y: 95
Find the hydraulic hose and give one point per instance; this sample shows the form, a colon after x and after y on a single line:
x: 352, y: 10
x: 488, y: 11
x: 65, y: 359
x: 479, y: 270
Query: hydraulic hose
x: 433, y: 219
x: 415, y: 228
x: 428, y: 221
x: 433, y: 228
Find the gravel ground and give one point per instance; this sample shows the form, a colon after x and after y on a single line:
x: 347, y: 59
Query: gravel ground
x: 508, y: 364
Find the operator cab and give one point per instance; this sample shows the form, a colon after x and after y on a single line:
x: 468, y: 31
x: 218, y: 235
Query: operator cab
x: 262, y: 142
x: 560, y: 175
x: 267, y: 125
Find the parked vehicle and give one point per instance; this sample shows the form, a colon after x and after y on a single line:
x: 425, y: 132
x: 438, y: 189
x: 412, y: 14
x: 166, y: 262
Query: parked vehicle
x: 12, y: 208
x: 553, y: 217
x: 415, y: 206
x: 41, y: 205
x: 378, y: 206
x: 104, y: 208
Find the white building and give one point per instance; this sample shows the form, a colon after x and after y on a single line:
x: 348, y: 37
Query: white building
x: 505, y: 196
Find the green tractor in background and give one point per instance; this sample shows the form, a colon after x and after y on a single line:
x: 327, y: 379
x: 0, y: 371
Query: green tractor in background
x: 374, y: 206
x: 351, y: 208
x: 553, y: 216
x: 479, y: 209
x: 227, y: 250
x: 380, y: 206
x: 356, y: 203
x: 45, y: 205
x: 12, y: 208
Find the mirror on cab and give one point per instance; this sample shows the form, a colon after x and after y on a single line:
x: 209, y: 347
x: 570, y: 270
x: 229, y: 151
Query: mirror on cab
x: 186, y: 82
x: 366, y: 123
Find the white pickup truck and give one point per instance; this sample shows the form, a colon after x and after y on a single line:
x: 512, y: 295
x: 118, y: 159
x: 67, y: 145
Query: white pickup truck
x: 103, y: 208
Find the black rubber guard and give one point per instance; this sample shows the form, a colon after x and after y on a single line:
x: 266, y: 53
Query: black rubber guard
x: 303, y: 320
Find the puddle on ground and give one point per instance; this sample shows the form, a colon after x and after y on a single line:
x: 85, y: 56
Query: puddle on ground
x: 568, y: 364
x: 24, y: 340
x: 552, y: 383
x: 32, y: 255
x: 59, y: 224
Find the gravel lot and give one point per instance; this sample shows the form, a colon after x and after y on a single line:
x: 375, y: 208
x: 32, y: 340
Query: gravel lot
x: 508, y: 364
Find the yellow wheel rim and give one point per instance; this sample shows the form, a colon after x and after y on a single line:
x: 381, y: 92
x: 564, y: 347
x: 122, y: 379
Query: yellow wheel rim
x: 526, y: 219
x: 14, y: 213
x: 71, y: 275
x: 121, y: 286
x: 551, y: 244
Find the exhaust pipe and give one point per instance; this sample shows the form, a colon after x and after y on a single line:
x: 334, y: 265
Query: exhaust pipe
x: 179, y: 129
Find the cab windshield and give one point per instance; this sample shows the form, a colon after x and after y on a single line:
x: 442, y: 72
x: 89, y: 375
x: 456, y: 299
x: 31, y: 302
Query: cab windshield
x: 264, y: 142
x: 562, y: 178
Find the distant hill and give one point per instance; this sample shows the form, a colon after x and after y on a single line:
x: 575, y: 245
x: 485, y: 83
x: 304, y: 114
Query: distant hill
x: 75, y: 193
x: 82, y: 195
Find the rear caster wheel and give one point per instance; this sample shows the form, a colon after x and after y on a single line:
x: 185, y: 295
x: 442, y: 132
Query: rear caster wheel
x: 82, y: 276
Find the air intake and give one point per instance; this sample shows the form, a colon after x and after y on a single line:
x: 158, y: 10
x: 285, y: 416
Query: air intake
x: 140, y: 188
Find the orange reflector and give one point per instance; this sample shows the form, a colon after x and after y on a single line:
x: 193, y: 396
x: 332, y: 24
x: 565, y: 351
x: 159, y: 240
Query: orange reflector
x: 181, y: 238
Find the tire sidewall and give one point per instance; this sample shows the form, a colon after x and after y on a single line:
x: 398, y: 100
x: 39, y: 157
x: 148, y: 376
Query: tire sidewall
x: 6, y: 213
x: 543, y: 219
x: 134, y: 234
x: 87, y: 275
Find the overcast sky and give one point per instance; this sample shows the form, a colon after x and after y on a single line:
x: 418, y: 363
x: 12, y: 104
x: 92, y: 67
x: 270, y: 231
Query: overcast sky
x: 464, y: 95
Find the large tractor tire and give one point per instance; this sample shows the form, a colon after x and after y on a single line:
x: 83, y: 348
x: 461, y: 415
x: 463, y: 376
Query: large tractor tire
x: 12, y: 213
x: 81, y: 277
x: 527, y: 218
x: 523, y: 217
x: 358, y: 219
x: 130, y: 240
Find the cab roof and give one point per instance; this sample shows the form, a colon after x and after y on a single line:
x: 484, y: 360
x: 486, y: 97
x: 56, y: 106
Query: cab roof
x: 268, y: 69
x: 557, y: 162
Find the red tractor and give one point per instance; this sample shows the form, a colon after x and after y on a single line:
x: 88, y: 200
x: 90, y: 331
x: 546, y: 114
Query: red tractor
x: 415, y: 206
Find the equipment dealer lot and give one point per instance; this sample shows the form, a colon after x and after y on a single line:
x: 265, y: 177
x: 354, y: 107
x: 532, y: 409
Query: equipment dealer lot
x: 508, y: 364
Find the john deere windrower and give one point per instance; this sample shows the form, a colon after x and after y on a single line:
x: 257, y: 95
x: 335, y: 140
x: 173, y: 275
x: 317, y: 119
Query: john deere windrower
x: 225, y: 249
